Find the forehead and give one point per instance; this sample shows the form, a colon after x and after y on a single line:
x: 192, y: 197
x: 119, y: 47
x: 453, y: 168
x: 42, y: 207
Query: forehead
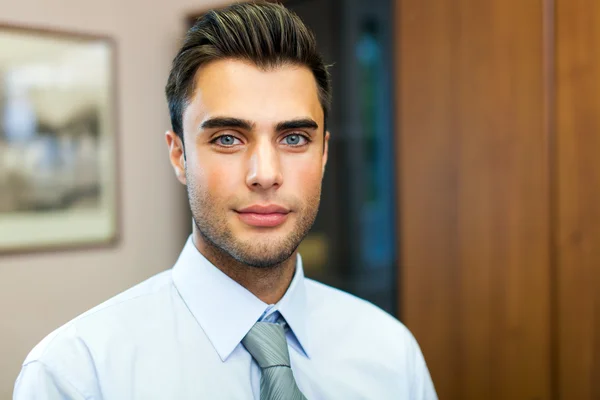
x: 235, y: 88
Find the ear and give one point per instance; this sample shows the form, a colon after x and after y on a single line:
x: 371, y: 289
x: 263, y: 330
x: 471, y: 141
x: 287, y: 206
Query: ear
x: 176, y: 155
x: 325, y: 152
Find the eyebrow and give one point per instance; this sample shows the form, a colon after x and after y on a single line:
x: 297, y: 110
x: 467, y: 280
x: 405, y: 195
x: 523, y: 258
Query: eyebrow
x: 230, y: 122
x: 227, y: 122
x: 303, y: 123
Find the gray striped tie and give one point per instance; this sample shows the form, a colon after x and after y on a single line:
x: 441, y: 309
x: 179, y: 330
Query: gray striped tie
x: 267, y: 344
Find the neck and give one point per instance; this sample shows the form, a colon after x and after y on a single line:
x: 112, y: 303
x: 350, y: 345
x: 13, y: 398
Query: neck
x: 269, y: 284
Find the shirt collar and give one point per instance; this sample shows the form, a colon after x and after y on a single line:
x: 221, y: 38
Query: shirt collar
x: 225, y: 310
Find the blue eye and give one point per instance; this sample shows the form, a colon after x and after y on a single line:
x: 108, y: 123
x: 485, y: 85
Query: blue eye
x: 295, y: 140
x: 226, y: 140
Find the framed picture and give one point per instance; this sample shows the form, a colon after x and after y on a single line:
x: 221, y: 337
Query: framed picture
x: 57, y: 140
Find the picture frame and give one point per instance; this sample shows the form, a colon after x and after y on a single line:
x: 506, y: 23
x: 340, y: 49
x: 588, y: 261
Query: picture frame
x: 58, y: 132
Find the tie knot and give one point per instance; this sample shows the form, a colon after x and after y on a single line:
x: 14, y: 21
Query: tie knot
x: 267, y: 344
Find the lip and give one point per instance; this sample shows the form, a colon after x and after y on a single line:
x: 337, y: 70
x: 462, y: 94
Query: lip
x: 264, y: 209
x: 263, y: 216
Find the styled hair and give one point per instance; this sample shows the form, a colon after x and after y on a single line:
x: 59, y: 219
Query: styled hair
x: 265, y: 34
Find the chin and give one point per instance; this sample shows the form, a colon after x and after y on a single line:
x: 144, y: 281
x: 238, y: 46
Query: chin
x: 265, y: 253
x: 260, y: 261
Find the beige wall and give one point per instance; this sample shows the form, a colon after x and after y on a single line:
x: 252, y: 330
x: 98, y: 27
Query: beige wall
x: 39, y: 292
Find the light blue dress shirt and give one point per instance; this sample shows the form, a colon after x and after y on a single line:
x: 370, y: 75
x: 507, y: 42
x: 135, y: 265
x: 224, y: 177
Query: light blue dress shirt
x: 178, y: 336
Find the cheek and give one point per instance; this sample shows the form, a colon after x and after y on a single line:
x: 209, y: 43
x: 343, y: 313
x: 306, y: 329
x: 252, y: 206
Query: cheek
x: 304, y: 177
x: 216, y: 178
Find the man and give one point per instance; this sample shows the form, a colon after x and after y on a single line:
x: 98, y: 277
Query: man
x: 235, y: 318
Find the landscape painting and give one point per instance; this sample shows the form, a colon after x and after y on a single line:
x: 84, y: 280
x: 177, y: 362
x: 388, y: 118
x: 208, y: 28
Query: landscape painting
x: 57, y: 140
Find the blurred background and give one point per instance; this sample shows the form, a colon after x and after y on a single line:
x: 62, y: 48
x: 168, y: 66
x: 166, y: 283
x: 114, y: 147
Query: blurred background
x: 462, y: 193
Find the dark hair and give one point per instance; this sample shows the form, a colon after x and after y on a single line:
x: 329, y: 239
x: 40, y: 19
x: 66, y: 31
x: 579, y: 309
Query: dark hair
x: 266, y: 34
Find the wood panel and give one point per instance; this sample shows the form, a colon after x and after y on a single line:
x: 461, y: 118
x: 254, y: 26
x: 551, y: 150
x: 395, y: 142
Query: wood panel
x: 474, y: 194
x: 578, y: 197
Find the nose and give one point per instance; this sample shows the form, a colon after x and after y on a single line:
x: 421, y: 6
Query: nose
x: 264, y: 169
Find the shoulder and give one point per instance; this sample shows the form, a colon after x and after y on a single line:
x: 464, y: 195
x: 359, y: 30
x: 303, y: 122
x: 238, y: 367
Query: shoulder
x: 372, y: 343
x: 342, y: 306
x: 134, y: 308
x: 369, y: 342
x: 358, y: 321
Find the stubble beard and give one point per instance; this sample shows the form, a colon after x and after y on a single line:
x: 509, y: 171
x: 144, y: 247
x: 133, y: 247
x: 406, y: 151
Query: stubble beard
x: 213, y: 226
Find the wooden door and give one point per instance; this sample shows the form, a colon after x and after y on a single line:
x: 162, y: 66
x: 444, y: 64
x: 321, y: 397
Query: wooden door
x: 474, y: 189
x: 577, y: 198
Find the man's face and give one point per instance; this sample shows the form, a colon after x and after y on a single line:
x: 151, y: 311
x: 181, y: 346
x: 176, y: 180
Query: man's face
x: 255, y: 157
